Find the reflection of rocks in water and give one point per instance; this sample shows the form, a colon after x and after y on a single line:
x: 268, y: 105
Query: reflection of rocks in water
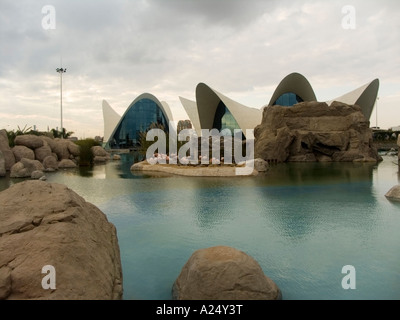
x: 303, y: 198
x: 303, y: 173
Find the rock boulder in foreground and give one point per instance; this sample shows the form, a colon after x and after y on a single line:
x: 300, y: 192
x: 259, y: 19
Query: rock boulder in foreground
x: 47, y: 224
x: 223, y: 273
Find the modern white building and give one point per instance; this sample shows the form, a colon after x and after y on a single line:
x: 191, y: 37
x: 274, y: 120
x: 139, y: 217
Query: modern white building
x: 214, y: 110
x: 145, y: 111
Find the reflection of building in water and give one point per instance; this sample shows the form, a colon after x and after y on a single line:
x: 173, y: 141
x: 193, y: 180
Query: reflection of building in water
x: 306, y: 198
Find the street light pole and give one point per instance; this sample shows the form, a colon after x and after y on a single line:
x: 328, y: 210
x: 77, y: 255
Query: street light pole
x: 61, y: 71
x: 376, y: 112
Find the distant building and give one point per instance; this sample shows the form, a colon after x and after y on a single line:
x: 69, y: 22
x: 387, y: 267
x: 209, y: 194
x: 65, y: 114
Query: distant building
x: 395, y: 128
x: 144, y: 112
x: 213, y: 110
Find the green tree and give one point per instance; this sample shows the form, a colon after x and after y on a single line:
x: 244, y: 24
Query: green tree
x: 86, y: 155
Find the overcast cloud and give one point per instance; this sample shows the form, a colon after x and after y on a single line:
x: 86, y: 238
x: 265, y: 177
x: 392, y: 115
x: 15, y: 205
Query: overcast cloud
x: 116, y: 50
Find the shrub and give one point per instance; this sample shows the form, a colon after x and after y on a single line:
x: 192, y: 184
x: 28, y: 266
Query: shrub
x: 86, y: 156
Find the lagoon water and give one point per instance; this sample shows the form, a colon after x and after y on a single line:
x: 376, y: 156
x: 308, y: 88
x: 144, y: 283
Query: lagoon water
x: 303, y: 222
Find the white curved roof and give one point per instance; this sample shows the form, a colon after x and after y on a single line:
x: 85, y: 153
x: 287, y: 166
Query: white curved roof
x: 364, y: 96
x: 207, y: 103
x: 190, y: 107
x: 163, y: 106
x: 295, y: 83
x: 111, y: 119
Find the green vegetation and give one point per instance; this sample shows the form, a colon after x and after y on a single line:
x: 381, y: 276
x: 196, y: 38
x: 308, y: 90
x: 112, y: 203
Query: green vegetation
x: 144, y: 144
x: 86, y: 156
x: 53, y: 133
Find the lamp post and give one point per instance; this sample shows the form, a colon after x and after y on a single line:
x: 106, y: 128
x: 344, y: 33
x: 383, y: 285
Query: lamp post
x: 61, y: 71
x: 376, y: 112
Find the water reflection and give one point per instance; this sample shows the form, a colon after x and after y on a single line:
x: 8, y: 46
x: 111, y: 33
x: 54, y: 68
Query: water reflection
x: 302, y: 199
x: 319, y: 172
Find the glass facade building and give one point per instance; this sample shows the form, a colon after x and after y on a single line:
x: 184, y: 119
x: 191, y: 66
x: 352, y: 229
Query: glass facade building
x: 224, y: 119
x: 288, y: 99
x: 140, y: 116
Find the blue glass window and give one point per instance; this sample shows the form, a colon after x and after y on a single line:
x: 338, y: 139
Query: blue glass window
x: 288, y: 99
x: 139, y: 118
x: 224, y: 119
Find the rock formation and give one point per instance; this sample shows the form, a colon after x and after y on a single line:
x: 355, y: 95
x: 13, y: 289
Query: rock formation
x: 393, y: 193
x: 398, y: 144
x: 51, y: 153
x: 25, y: 168
x: 223, y: 273
x: 47, y: 224
x: 260, y: 165
x: 66, y: 163
x: 9, y: 157
x: 50, y: 163
x: 43, y: 152
x: 23, y: 152
x: 100, y: 155
x: 314, y: 131
x: 2, y: 165
x: 28, y: 140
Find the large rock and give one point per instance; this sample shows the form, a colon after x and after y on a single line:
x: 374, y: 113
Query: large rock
x: 25, y: 167
x: 37, y: 175
x: 393, y: 193
x: 28, y: 140
x: 50, y: 142
x: 74, y: 149
x: 99, y: 151
x: 9, y: 157
x: 47, y: 224
x: 66, y: 163
x: 50, y: 163
x: 4, y: 144
x: 61, y: 149
x: 99, y: 159
x: 23, y: 152
x: 223, y: 273
x: 2, y: 165
x: 398, y: 143
x: 43, y: 152
x: 314, y: 131
x: 259, y: 164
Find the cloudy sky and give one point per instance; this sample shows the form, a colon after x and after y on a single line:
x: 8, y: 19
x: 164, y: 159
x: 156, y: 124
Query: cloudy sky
x: 116, y: 50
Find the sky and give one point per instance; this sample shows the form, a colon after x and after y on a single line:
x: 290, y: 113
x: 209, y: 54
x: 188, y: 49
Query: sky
x: 117, y: 50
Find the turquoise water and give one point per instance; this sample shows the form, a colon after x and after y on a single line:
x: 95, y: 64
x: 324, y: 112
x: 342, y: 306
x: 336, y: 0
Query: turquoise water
x: 301, y: 222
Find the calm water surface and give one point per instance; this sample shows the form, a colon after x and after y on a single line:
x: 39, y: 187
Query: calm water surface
x: 301, y: 222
